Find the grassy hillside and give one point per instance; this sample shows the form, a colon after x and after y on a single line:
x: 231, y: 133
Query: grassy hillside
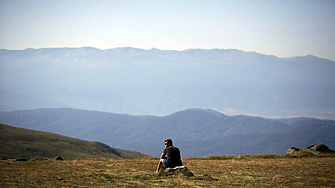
x: 25, y: 143
x: 226, y: 171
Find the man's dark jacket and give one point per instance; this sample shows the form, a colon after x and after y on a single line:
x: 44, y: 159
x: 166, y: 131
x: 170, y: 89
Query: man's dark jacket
x: 173, y: 157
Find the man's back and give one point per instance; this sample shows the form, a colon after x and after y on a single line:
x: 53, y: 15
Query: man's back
x: 173, y: 156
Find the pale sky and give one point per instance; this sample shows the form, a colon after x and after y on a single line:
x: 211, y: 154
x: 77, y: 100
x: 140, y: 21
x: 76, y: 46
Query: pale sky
x: 283, y: 28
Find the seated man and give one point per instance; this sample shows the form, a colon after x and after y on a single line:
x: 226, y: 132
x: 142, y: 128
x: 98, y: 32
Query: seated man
x: 170, y: 156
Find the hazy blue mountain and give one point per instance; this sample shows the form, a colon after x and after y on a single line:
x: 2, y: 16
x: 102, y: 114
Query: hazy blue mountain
x: 11, y: 101
x: 160, y: 82
x: 198, y: 132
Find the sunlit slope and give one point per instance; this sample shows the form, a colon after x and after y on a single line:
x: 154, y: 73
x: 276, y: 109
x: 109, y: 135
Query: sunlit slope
x: 25, y: 143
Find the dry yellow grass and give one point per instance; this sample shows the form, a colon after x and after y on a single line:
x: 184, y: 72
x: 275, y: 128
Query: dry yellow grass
x: 235, y: 171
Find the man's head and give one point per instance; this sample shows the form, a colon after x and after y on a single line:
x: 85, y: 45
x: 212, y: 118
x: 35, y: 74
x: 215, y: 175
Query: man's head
x: 168, y: 142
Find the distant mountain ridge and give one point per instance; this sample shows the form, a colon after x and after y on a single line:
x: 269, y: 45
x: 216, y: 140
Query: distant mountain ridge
x: 198, y: 132
x: 137, y: 81
x: 12, y: 101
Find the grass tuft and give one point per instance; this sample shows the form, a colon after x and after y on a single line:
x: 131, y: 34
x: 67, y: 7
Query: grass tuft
x: 39, y: 159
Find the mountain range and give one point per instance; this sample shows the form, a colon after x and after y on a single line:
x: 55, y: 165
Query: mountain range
x: 161, y: 82
x: 197, y: 132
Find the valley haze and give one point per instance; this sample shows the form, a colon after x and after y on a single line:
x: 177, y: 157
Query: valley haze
x: 160, y: 82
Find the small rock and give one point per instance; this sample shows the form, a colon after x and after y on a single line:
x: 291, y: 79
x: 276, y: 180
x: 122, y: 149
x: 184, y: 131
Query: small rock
x: 314, y: 149
x: 178, y: 170
x: 292, y: 150
x: 58, y: 158
x: 20, y: 160
x: 204, y: 177
x: 320, y: 148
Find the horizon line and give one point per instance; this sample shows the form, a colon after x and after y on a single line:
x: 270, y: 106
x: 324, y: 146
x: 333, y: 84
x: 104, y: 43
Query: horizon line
x: 154, y: 48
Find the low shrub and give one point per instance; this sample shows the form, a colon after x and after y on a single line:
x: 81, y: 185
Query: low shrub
x: 2, y: 157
